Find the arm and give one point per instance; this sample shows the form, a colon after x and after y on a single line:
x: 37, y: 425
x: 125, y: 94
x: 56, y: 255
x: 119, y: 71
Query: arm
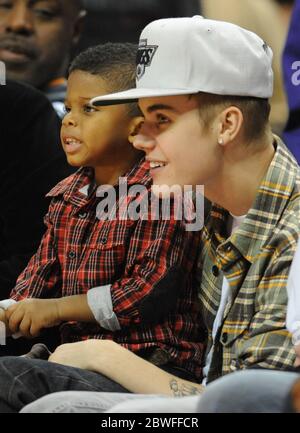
x: 40, y: 279
x: 42, y: 276
x: 160, y: 257
x: 30, y: 316
x: 123, y: 367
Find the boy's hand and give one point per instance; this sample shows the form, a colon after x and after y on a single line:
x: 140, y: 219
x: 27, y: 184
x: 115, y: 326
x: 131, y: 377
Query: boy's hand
x: 30, y: 316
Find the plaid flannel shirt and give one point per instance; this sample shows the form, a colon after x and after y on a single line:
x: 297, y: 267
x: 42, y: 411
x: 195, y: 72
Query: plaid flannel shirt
x: 149, y: 264
x: 256, y: 260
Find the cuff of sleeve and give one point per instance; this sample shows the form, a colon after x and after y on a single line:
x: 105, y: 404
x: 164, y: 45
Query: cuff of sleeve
x: 100, y: 302
x: 5, y: 305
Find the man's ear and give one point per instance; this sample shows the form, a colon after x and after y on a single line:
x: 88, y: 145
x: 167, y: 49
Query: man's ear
x: 134, y: 127
x: 230, y: 126
x: 79, y: 26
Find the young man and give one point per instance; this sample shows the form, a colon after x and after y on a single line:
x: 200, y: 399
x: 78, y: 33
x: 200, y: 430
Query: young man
x: 123, y: 279
x: 206, y: 122
x: 36, y: 38
x: 203, y: 88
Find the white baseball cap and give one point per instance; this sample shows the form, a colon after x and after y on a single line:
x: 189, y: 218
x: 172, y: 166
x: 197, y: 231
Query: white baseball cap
x: 179, y: 56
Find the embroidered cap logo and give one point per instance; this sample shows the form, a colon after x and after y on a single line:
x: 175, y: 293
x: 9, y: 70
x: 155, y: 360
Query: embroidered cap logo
x: 144, y: 58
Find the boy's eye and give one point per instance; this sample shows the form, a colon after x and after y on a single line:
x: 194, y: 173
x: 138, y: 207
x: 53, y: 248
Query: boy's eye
x: 89, y: 109
x: 67, y: 109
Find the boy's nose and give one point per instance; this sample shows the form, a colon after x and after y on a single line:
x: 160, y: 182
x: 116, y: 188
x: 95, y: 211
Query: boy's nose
x: 69, y: 120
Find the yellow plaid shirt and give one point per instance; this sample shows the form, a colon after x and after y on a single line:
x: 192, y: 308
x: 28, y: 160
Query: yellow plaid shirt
x: 255, y: 260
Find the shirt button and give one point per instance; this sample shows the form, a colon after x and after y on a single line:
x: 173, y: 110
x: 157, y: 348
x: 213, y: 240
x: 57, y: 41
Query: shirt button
x: 83, y: 215
x: 215, y: 270
x: 228, y: 248
x: 72, y: 255
x: 233, y: 366
x: 104, y: 240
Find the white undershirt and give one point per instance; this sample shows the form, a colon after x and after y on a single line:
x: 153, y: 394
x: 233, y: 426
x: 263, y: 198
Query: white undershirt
x: 235, y: 223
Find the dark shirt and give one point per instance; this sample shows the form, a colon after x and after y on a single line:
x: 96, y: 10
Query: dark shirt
x: 32, y: 162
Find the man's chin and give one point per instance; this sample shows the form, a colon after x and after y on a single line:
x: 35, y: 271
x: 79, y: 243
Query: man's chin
x: 20, y: 73
x: 164, y: 191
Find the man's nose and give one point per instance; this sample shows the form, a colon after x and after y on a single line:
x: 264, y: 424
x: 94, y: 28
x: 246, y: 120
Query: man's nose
x: 20, y: 20
x: 145, y: 139
x: 144, y: 142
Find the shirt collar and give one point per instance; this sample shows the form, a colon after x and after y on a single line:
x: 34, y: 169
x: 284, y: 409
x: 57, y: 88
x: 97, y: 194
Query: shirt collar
x: 79, y: 187
x: 272, y: 198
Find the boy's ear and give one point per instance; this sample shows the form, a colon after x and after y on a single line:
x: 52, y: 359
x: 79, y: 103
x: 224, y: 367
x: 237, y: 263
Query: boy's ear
x: 134, y: 127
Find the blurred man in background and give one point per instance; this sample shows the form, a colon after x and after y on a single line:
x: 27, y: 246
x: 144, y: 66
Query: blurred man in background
x: 36, y: 39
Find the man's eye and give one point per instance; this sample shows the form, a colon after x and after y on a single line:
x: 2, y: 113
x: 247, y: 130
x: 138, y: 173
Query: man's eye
x: 67, y: 109
x: 162, y: 120
x: 5, y: 5
x: 44, y: 13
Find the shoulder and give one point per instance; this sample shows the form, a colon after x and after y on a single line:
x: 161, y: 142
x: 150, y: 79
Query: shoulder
x: 139, y: 174
x: 65, y: 184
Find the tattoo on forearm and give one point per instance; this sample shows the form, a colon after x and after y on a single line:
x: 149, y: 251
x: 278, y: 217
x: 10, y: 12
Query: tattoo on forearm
x: 183, y: 389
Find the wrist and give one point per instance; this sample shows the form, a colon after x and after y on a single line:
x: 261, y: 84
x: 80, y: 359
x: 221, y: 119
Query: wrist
x: 58, y: 309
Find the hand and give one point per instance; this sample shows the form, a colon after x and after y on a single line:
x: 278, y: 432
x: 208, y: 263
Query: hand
x: 87, y: 355
x: 30, y: 316
x: 297, y: 350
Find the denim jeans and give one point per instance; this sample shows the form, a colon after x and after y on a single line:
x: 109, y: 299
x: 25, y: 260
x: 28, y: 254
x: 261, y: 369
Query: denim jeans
x: 99, y: 402
x: 249, y: 391
x: 252, y: 391
x: 86, y: 402
x: 23, y: 381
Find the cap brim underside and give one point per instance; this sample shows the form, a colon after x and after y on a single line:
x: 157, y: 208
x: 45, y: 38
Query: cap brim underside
x: 134, y: 95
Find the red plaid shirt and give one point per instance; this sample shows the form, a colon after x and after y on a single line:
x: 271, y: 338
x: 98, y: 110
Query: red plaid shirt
x: 148, y: 263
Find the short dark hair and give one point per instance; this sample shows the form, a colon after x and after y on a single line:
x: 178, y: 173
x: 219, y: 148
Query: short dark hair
x: 115, y: 63
x: 256, y: 112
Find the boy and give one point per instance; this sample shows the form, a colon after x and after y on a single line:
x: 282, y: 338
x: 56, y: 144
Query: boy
x: 119, y: 279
